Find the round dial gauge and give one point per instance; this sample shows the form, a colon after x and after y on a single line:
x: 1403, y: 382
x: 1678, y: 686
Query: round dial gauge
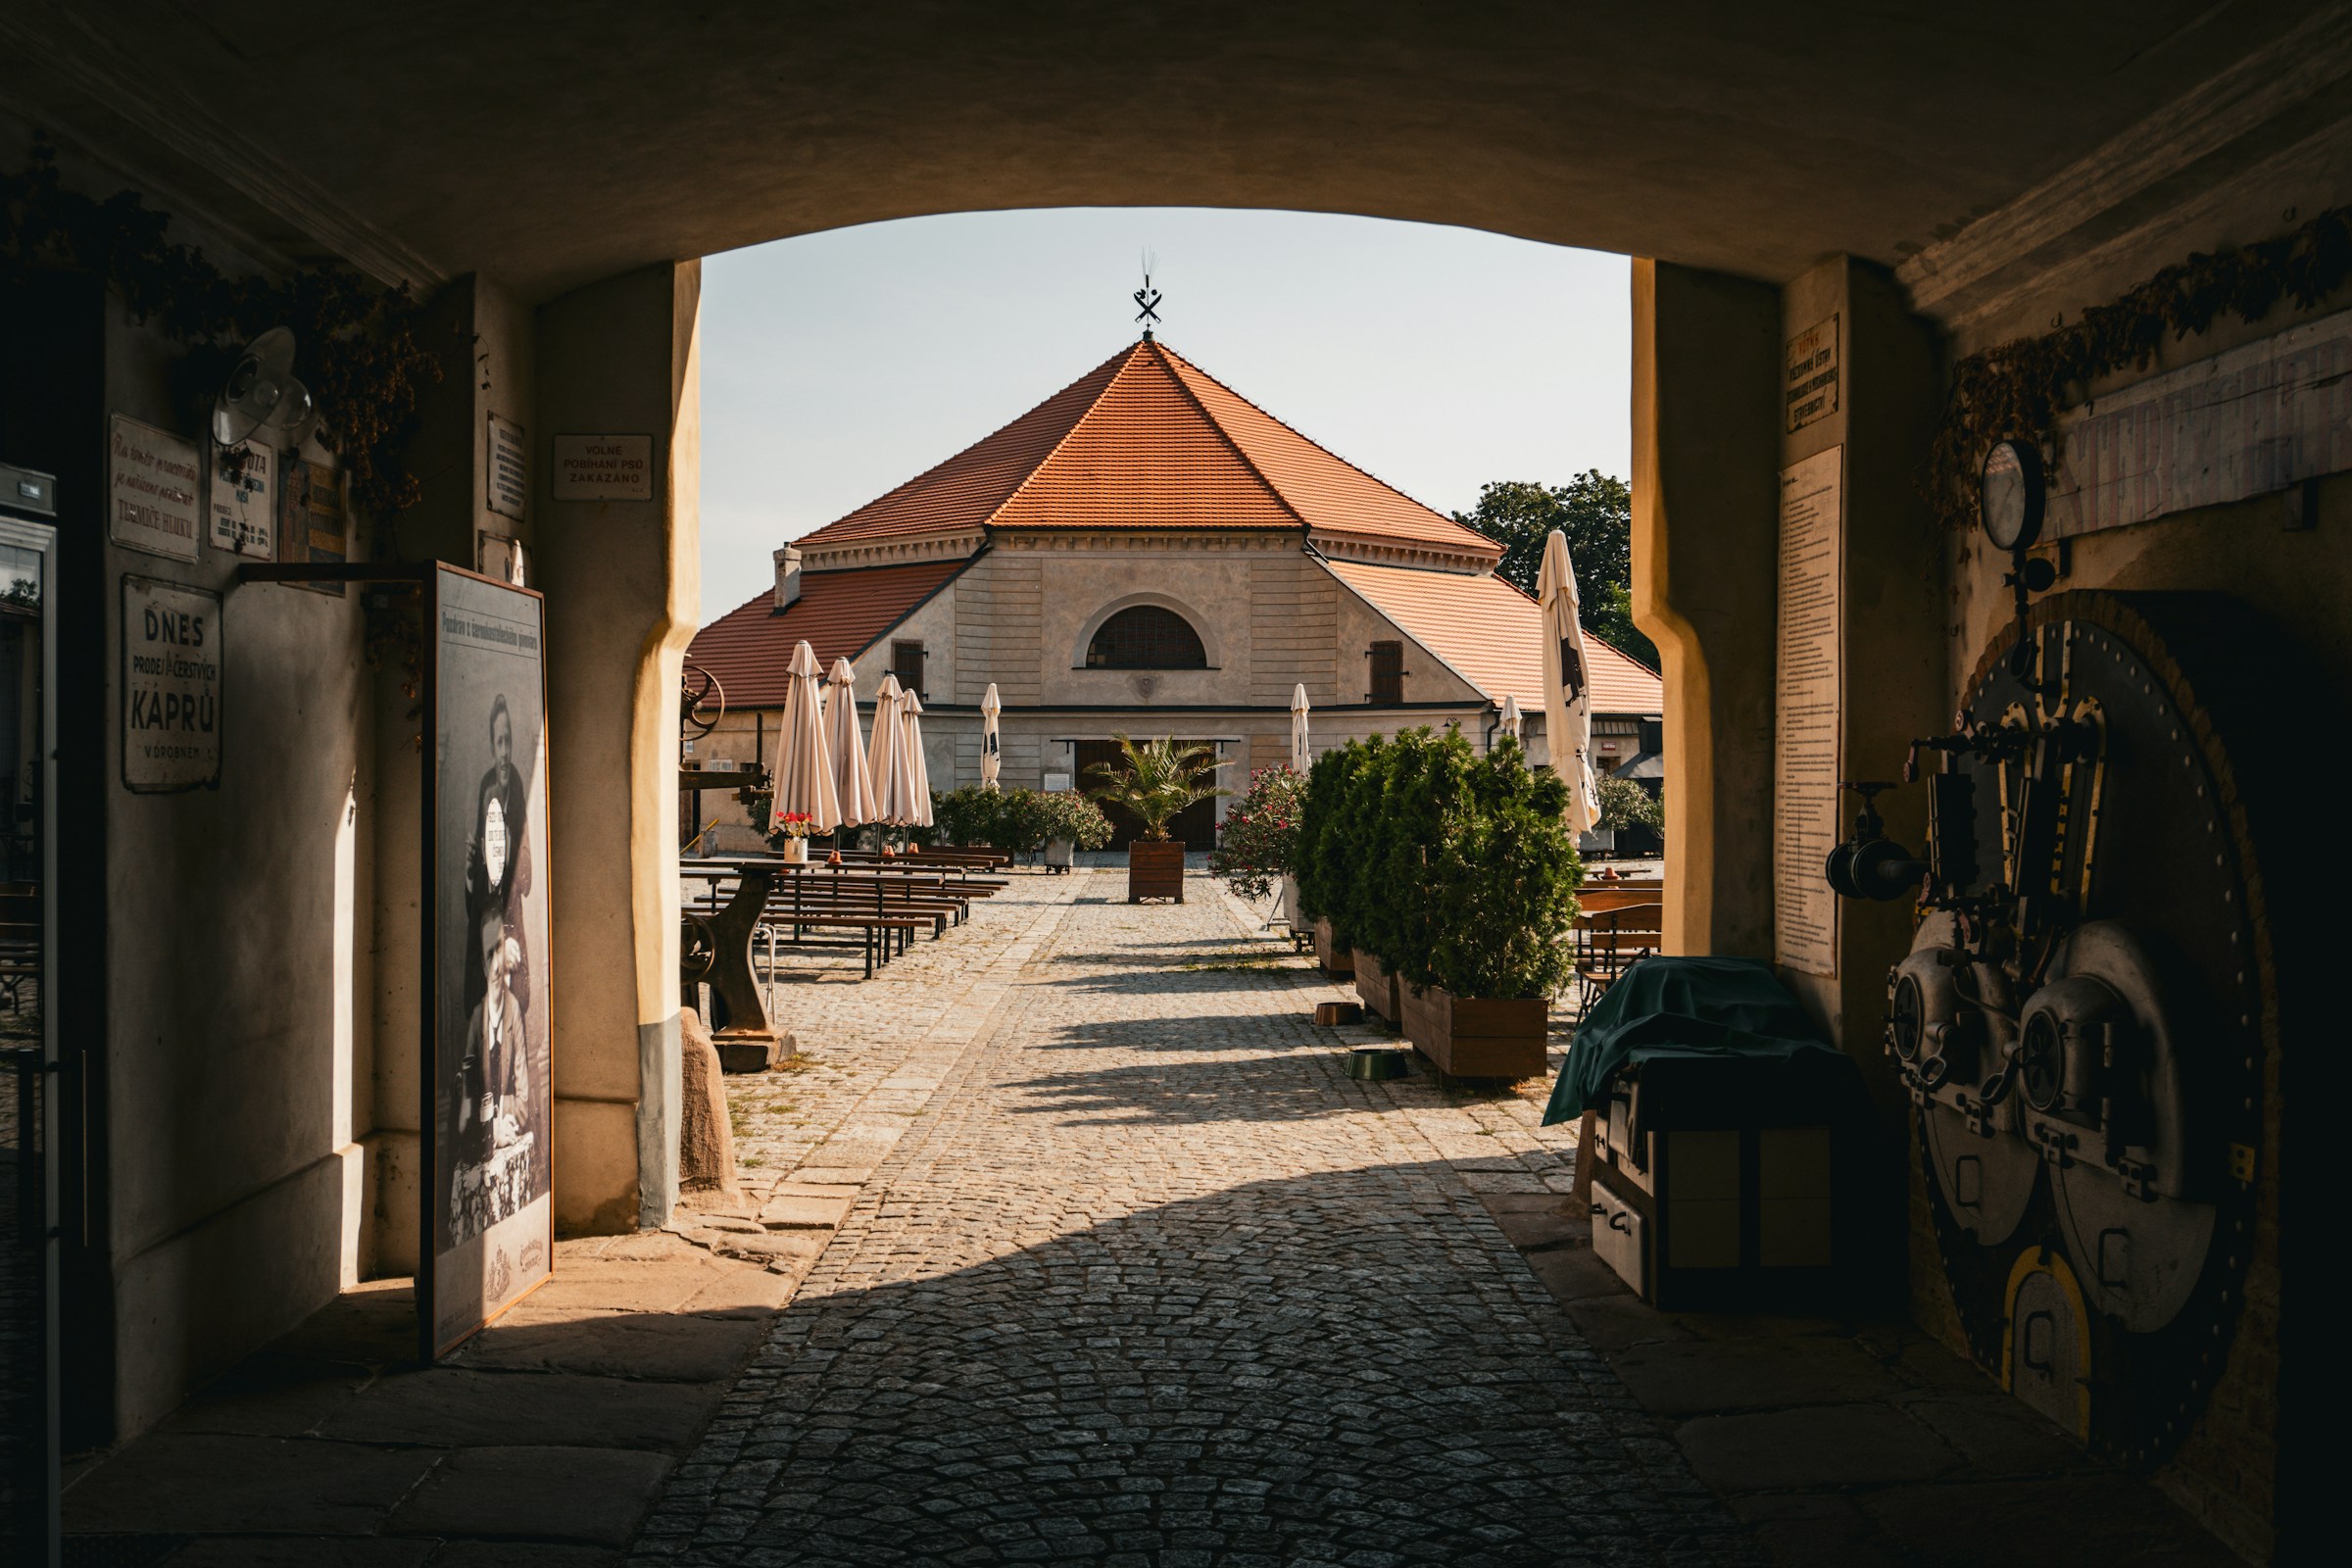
x: 2012, y: 494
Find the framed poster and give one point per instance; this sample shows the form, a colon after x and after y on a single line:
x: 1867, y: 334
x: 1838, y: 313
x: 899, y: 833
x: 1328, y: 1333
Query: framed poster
x: 172, y: 662
x: 488, y: 1226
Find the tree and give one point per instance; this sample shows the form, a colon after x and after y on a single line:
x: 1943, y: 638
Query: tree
x: 1597, y: 514
x: 1155, y: 780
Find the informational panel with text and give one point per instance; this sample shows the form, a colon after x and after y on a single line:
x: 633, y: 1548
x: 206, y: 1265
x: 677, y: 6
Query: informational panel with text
x: 1805, y: 689
x: 488, y: 1214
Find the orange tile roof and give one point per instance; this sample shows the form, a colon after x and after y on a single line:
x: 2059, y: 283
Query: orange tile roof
x: 1147, y: 440
x: 841, y: 614
x: 1491, y: 635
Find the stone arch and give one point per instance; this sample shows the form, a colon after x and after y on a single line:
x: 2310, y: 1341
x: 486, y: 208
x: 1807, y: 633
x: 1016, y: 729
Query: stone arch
x: 1210, y: 645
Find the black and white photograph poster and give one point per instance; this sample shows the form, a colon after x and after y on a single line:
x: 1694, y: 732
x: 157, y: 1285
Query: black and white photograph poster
x: 488, y: 1215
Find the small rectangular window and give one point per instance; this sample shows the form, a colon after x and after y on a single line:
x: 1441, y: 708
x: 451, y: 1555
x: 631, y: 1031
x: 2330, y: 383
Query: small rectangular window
x: 1388, y: 673
x: 906, y: 662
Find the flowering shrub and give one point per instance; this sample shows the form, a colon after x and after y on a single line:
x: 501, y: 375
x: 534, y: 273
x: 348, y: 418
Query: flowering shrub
x: 1260, y: 843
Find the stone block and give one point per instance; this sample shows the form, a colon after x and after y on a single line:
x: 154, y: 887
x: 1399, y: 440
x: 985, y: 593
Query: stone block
x: 590, y: 1496
x: 706, y: 1138
x: 1713, y: 1375
x: 204, y: 1484
x: 300, y: 1551
x: 628, y: 1344
x: 451, y: 1407
x: 793, y: 1211
x: 1815, y: 1446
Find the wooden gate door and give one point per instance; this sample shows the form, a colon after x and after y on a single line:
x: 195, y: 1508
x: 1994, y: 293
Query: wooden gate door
x: 1196, y: 825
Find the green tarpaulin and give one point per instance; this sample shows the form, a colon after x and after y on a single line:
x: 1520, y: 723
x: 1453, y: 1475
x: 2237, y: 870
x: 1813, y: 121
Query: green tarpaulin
x: 1725, y: 1009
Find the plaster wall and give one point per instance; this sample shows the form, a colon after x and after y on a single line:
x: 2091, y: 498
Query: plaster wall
x: 483, y: 339
x: 2286, y: 556
x: 238, y: 925
x: 1705, y: 450
x: 618, y: 356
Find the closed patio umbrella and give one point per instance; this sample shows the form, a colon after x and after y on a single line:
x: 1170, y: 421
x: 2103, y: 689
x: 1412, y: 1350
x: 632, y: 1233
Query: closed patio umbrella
x: 1301, y: 748
x: 1511, y: 719
x: 914, y: 775
x: 803, y: 778
x: 882, y: 756
x: 1567, y: 703
x: 990, y: 762
x: 852, y: 785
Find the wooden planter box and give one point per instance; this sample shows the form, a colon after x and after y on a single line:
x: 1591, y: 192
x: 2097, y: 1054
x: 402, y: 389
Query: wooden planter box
x: 1154, y: 870
x: 1470, y: 1037
x: 1334, y: 959
x: 1378, y: 988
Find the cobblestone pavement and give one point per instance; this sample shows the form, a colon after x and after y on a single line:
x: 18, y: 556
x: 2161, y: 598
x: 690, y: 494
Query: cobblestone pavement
x: 1131, y: 1272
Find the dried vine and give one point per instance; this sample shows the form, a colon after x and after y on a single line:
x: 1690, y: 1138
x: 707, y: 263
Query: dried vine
x: 2017, y: 390
x: 356, y: 342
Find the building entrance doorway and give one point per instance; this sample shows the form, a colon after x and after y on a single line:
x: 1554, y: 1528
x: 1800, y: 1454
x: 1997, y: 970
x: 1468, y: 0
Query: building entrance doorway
x: 1196, y: 826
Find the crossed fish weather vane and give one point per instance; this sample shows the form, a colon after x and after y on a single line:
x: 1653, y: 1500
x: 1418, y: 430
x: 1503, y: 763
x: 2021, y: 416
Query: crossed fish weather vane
x: 1146, y: 298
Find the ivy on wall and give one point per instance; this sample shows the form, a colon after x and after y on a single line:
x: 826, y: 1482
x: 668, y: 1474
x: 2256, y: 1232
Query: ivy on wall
x: 2017, y: 390
x: 356, y: 342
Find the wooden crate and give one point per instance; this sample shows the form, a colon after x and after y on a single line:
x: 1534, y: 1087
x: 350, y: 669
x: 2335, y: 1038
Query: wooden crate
x: 1154, y: 870
x: 1336, y: 959
x: 1469, y: 1037
x: 1378, y: 988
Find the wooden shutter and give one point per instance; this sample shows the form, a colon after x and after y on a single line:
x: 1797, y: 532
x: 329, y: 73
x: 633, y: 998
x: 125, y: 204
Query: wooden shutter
x: 1388, y: 672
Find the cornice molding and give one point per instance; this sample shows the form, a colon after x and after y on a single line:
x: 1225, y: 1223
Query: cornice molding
x: 2279, y: 95
x: 850, y: 553
x: 1396, y: 553
x: 109, y: 88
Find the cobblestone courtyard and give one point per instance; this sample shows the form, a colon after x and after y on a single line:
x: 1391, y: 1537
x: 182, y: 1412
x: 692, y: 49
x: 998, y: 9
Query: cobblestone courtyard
x: 1128, y: 1270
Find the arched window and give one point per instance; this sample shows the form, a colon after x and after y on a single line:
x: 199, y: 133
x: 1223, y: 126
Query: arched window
x: 1146, y: 637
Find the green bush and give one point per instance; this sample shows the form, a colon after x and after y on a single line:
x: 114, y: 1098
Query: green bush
x: 1320, y: 857
x: 1258, y: 845
x: 1450, y: 868
x: 1502, y: 888
x: 1068, y: 815
x: 1625, y: 803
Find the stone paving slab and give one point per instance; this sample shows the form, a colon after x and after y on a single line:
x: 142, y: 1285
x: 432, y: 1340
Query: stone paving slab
x: 1152, y: 1280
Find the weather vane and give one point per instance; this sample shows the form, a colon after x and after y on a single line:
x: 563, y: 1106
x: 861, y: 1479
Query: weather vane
x: 1146, y: 299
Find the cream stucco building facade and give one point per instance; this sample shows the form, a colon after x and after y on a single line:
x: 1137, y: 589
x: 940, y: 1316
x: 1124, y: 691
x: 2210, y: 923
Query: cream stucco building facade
x: 1147, y: 553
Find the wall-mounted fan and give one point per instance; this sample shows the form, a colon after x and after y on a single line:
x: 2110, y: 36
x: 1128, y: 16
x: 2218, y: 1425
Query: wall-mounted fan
x: 262, y: 390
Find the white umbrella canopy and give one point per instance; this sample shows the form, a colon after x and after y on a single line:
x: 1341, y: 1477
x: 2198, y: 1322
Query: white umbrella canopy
x: 882, y: 755
x: 990, y: 760
x: 852, y: 785
x: 914, y: 775
x: 1511, y: 719
x: 803, y: 778
x: 1301, y: 748
x: 1567, y: 703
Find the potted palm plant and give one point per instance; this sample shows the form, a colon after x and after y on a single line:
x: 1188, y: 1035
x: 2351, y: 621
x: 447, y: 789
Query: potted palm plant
x: 1155, y: 780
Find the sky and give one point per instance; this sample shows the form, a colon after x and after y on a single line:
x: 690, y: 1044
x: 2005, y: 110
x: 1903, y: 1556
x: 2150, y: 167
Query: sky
x: 838, y: 366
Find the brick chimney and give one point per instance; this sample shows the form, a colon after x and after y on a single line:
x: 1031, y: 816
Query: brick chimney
x: 788, y: 577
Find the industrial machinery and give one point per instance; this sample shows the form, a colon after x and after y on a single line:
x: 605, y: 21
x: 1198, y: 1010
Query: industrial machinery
x: 2089, y: 1010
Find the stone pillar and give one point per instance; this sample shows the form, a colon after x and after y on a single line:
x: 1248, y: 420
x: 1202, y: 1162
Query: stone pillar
x: 617, y: 357
x: 1705, y: 445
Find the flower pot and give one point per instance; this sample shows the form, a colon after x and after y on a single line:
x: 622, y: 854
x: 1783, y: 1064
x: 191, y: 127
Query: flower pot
x: 1154, y: 870
x: 1061, y: 853
x: 1377, y: 987
x: 1477, y: 1037
x: 1286, y: 909
x: 1334, y: 957
x: 795, y: 852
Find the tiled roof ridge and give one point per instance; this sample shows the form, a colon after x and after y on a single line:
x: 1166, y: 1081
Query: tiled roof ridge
x: 1126, y: 358
x: 1313, y: 442
x: 1214, y: 423
x: 971, y: 447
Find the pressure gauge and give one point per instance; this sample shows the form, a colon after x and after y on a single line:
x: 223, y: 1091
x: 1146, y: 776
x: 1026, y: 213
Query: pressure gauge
x: 2012, y: 494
